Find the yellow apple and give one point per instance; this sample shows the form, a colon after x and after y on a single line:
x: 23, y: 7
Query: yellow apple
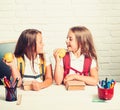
x: 62, y: 52
x: 8, y: 57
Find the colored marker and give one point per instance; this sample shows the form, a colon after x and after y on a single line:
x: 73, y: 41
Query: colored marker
x: 16, y: 82
x: 7, y: 82
x: 106, y: 85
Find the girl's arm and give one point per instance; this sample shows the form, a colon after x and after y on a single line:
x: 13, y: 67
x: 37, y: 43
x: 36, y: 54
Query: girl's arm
x: 47, y: 82
x: 89, y: 80
x: 58, y: 74
x: 92, y: 79
x: 48, y: 77
x: 58, y: 71
x: 14, y: 72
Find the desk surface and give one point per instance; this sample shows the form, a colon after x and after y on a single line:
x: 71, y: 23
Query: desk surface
x: 58, y: 98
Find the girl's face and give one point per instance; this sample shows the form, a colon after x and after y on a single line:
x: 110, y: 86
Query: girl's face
x: 39, y: 44
x: 71, y: 42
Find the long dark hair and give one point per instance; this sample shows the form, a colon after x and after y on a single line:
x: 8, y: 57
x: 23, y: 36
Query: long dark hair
x: 26, y: 44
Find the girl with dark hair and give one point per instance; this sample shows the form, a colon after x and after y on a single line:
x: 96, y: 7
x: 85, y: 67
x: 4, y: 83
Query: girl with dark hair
x: 30, y: 64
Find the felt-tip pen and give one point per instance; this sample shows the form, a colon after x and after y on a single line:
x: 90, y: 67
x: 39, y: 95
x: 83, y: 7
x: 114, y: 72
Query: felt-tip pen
x: 7, y: 82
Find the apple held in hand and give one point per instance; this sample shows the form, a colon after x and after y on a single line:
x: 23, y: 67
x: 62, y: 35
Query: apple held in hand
x: 62, y: 52
x: 8, y: 57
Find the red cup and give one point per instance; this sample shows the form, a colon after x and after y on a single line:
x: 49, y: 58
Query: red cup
x: 105, y: 93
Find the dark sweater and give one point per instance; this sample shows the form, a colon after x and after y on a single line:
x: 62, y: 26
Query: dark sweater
x: 4, y: 71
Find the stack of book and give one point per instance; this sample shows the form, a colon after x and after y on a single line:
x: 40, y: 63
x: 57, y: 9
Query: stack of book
x: 27, y: 85
x: 75, y: 85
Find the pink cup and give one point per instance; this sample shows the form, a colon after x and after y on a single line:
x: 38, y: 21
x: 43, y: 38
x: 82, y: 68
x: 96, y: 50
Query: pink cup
x: 105, y: 93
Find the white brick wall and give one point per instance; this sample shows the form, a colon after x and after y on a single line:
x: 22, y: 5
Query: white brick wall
x: 55, y: 17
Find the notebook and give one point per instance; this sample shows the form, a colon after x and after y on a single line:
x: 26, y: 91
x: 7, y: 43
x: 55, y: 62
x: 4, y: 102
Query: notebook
x: 75, y: 85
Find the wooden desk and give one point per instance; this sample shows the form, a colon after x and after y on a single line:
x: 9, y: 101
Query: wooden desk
x: 58, y: 98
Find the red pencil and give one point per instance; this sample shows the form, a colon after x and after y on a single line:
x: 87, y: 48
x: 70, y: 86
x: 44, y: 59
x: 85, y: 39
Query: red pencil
x: 7, y: 82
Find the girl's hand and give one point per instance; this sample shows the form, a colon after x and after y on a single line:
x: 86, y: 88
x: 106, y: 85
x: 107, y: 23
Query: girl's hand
x: 69, y: 77
x: 10, y: 64
x: 56, y: 55
x: 36, y: 85
x: 14, y: 70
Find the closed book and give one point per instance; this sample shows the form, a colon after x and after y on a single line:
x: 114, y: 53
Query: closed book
x: 27, y: 85
x: 75, y: 85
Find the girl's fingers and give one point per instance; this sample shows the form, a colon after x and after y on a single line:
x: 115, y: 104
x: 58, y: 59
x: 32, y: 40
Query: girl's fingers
x: 57, y: 51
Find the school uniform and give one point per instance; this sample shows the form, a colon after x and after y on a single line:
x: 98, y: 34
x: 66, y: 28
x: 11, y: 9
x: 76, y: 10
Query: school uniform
x: 29, y: 74
x: 78, y: 63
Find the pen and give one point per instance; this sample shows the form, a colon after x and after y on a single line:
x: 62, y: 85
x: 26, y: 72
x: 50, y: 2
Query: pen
x: 106, y: 84
x: 112, y: 84
x: 99, y: 86
x: 7, y: 82
x: 103, y: 83
x: 19, y: 99
x: 16, y: 82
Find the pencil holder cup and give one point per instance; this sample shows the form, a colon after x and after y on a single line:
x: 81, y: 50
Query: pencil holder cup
x: 10, y: 94
x: 105, y: 93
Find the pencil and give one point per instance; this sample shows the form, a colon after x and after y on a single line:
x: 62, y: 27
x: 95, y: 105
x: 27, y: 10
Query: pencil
x: 19, y: 99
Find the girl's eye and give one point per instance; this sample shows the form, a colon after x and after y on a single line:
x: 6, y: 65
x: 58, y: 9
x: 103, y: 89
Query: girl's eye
x: 69, y: 38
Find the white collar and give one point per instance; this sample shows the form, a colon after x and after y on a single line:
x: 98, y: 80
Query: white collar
x: 73, y: 57
x: 35, y: 60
